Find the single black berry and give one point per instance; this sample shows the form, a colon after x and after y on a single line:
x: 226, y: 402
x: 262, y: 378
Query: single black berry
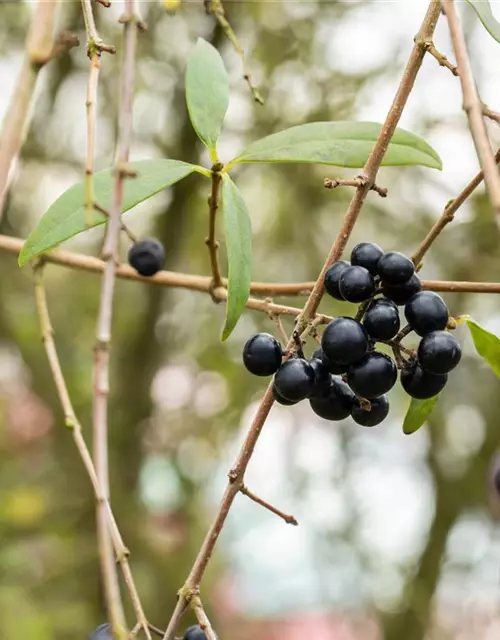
x: 194, y: 633
x: 280, y: 399
x: 262, y: 354
x: 367, y: 255
x: 378, y: 412
x: 356, y: 284
x: 332, y: 278
x: 295, y: 379
x: 426, y: 312
x: 373, y: 375
x: 322, y: 376
x: 333, y: 367
x: 147, y: 256
x: 395, y: 268
x: 344, y: 341
x: 405, y: 292
x: 382, y: 319
x: 420, y: 384
x: 439, y: 352
x: 335, y: 403
x: 103, y: 632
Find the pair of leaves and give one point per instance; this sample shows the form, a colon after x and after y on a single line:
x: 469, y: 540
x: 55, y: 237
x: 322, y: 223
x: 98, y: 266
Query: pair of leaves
x: 485, y: 14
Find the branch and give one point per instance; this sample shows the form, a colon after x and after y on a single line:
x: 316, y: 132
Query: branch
x: 211, y: 242
x: 492, y: 115
x: 368, y: 175
x: 442, y: 60
x: 263, y: 503
x: 357, y: 182
x: 473, y: 106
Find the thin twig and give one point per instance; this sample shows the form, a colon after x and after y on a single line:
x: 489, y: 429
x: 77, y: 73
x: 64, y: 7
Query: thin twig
x: 330, y: 183
x: 492, y: 115
x: 289, y: 519
x: 443, y: 61
x: 130, y: 234
x: 276, y: 318
x: 199, y: 611
x: 211, y: 241
x: 473, y: 106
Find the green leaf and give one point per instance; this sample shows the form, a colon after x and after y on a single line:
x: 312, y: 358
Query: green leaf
x: 207, y: 93
x: 66, y: 217
x: 238, y: 231
x: 487, y: 345
x: 485, y: 14
x: 417, y: 413
x: 342, y: 144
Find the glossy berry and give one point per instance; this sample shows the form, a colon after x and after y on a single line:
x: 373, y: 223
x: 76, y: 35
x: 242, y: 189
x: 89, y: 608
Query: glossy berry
x: 333, y: 367
x: 147, y: 256
x: 382, y: 319
x: 367, y: 255
x: 335, y: 403
x: 332, y: 277
x: 103, y: 632
x: 295, y: 379
x: 421, y: 385
x: 322, y: 377
x: 344, y: 341
x: 356, y: 284
x: 262, y: 354
x: 280, y: 399
x: 426, y: 312
x: 405, y: 292
x: 378, y: 412
x: 194, y: 633
x: 439, y: 352
x: 395, y: 268
x: 373, y: 375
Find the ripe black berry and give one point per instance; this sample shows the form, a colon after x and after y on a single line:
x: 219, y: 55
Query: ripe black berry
x: 382, y: 319
x: 333, y: 367
x: 335, y: 403
x: 378, y: 412
x: 373, y: 375
x: 280, y: 399
x: 103, y: 632
x: 405, y: 292
x: 395, y: 268
x: 426, y: 312
x: 295, y: 379
x: 194, y: 633
x: 439, y: 352
x: 322, y: 376
x: 147, y: 256
x: 344, y: 341
x: 332, y: 278
x: 367, y: 254
x: 420, y: 384
x: 262, y: 354
x: 356, y: 284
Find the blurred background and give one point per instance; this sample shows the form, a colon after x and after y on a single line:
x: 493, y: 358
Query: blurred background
x: 397, y: 538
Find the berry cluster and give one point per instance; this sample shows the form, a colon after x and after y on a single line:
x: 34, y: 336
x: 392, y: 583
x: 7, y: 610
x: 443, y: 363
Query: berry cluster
x: 147, y: 256
x: 347, y: 375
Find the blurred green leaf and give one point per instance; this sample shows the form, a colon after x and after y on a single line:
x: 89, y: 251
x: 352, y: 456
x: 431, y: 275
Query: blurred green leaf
x: 342, y: 144
x: 417, y: 413
x: 487, y: 345
x: 207, y: 93
x: 66, y: 217
x: 238, y: 231
x: 485, y: 14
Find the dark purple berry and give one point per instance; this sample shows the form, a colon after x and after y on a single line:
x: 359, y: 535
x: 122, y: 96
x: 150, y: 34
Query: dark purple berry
x: 356, y: 284
x: 332, y: 277
x: 378, y: 412
x: 280, y: 399
x: 194, y: 633
x: 103, y: 632
x: 373, y: 375
x: 295, y: 379
x: 333, y: 367
x: 262, y: 354
x: 439, y: 352
x: 422, y: 385
x: 405, y: 292
x: 322, y: 376
x: 382, y: 319
x: 367, y: 255
x: 335, y: 403
x: 426, y: 312
x: 344, y: 341
x: 147, y: 256
x: 394, y: 268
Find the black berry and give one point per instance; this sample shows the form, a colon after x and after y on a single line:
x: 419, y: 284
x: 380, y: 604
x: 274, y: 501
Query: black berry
x: 295, y: 379
x: 344, y: 341
x: 194, y: 633
x: 280, y: 399
x: 373, y: 375
x: 103, y: 632
x: 333, y: 367
x: 382, y: 319
x: 405, y: 292
x: 378, y: 412
x: 332, y: 279
x: 367, y: 255
x: 439, y: 352
x: 395, y: 268
x: 335, y: 403
x: 426, y: 312
x: 356, y: 284
x: 147, y: 256
x: 322, y: 376
x: 422, y: 385
x: 262, y: 354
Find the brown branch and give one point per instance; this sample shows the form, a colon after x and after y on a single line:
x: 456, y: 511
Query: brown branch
x: 448, y: 214
x: 443, y: 61
x: 330, y: 183
x: 369, y: 175
x: 197, y: 607
x: 289, y: 519
x: 473, y: 106
x: 211, y: 241
x: 492, y: 115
